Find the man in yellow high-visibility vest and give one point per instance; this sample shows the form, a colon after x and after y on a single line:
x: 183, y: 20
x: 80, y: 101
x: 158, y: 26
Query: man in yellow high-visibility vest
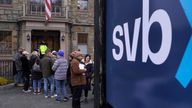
x: 42, y: 49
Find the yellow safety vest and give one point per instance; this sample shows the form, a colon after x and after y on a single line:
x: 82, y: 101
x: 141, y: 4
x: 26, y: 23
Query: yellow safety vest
x: 42, y: 49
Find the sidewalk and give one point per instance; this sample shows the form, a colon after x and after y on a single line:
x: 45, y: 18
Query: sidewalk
x: 15, y: 98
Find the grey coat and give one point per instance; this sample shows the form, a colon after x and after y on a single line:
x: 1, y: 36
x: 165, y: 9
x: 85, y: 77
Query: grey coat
x: 18, y: 63
x: 60, y: 67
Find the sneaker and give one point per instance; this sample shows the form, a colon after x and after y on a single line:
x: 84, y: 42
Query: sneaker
x: 38, y: 93
x: 84, y: 100
x: 46, y: 97
x: 70, y: 97
x: 52, y: 96
x: 65, y: 99
x: 20, y: 85
x: 58, y: 100
x: 34, y: 93
x: 26, y: 91
x: 55, y: 95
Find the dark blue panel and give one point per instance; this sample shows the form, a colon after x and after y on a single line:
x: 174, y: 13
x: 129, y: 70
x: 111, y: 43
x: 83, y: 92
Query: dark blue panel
x: 147, y: 85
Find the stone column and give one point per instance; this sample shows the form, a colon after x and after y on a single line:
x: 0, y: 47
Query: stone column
x: 26, y: 40
x: 64, y: 43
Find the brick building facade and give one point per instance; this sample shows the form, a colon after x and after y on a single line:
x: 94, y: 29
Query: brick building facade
x: 22, y: 24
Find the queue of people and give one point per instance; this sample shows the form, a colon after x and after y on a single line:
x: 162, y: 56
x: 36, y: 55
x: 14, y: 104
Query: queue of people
x: 56, y: 74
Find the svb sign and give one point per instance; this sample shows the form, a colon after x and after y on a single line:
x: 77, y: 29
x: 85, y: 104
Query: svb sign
x: 149, y: 48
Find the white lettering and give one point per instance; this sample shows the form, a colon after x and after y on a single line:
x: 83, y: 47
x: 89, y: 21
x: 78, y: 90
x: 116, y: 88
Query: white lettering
x: 160, y: 16
x: 131, y: 52
x: 163, y: 19
x: 118, y: 42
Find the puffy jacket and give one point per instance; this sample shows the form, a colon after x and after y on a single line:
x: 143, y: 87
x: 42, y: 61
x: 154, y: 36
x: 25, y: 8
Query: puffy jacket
x: 60, y: 67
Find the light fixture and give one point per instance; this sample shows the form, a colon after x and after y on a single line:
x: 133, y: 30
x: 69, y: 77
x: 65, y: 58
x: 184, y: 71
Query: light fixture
x: 62, y: 37
x: 28, y: 37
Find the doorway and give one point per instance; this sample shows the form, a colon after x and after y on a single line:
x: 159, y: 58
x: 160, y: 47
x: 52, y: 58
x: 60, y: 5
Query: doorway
x: 51, y: 38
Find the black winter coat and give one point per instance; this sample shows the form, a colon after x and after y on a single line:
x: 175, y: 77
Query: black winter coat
x: 25, y: 65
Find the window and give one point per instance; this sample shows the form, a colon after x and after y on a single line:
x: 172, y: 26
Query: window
x: 39, y: 6
x: 56, y: 5
x: 5, y: 42
x: 82, y: 42
x: 6, y: 2
x: 82, y: 4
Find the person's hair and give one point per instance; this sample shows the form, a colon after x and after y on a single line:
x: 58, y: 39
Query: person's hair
x: 35, y: 53
x: 87, y: 55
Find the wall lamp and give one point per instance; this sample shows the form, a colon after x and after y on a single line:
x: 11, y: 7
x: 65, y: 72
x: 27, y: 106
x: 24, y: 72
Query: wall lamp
x: 28, y: 37
x: 63, y: 37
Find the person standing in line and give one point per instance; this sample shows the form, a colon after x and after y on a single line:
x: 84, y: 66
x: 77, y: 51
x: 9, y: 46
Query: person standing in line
x: 78, y: 78
x: 69, y: 76
x: 54, y: 57
x: 26, y: 71
x: 48, y: 76
x: 36, y: 77
x: 34, y: 56
x: 18, y: 65
x: 89, y: 67
x: 42, y: 49
x: 60, y: 67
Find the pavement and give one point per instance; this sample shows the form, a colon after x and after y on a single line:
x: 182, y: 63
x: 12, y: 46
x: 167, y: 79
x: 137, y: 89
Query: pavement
x: 15, y: 98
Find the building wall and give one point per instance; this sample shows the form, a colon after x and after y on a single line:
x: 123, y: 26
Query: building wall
x: 83, y: 29
x: 83, y: 22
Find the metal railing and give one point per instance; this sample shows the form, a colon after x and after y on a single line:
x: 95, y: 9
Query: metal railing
x: 6, y: 69
x: 57, y: 11
x: 39, y: 10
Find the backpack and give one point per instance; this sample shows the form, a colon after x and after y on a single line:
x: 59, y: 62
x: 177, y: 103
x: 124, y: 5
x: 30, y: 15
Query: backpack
x: 36, y: 67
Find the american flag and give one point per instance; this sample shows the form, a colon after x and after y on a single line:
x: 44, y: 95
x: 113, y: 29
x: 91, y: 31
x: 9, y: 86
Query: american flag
x: 48, y: 8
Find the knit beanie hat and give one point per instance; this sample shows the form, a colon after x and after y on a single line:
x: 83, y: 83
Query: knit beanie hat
x: 60, y: 53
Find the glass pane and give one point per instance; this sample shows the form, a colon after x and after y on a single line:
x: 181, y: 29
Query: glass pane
x: 82, y: 38
x: 5, y: 42
x: 1, y: 38
x: 56, y: 2
x: 36, y: 1
x: 9, y: 1
x: 82, y: 4
x: 5, y: 1
x: 83, y: 49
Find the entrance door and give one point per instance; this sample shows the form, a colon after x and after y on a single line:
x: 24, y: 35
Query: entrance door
x: 51, y: 38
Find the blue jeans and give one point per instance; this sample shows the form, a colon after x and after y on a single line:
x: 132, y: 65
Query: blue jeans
x: 48, y: 81
x: 19, y: 77
x: 36, y: 84
x: 61, y: 89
